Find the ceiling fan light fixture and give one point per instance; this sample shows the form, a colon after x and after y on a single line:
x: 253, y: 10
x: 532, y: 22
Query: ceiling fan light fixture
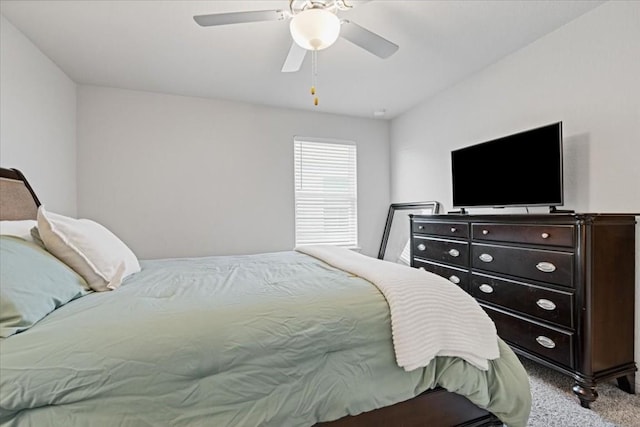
x: 315, y: 29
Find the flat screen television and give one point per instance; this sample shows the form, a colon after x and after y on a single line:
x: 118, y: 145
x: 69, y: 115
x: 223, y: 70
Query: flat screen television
x: 522, y: 169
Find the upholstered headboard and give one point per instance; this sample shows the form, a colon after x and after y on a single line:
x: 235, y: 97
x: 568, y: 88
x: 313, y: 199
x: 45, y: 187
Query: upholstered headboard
x: 17, y: 198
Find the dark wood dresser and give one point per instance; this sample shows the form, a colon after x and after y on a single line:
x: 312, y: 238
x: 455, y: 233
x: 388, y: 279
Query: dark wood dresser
x: 559, y: 287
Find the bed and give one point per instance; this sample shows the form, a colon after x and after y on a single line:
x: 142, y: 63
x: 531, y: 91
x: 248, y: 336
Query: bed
x: 275, y: 339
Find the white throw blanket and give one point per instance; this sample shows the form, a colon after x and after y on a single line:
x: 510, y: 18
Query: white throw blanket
x: 430, y: 316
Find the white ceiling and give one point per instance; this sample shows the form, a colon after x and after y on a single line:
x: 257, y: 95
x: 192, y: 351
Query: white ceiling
x: 156, y: 46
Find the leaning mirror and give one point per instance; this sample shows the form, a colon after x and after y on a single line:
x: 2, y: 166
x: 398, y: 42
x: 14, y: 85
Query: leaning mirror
x: 396, y: 236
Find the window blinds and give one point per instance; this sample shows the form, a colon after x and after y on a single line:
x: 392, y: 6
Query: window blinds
x: 325, y: 192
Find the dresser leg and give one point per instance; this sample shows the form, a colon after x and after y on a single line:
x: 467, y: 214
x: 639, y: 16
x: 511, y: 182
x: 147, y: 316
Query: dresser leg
x: 586, y: 393
x: 627, y: 383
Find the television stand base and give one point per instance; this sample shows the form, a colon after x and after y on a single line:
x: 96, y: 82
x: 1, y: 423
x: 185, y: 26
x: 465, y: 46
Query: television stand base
x: 552, y: 209
x: 461, y: 211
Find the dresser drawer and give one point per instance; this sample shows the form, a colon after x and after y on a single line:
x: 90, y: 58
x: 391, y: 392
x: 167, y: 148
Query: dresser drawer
x: 551, y: 343
x: 439, y: 250
x: 541, y: 234
x: 454, y: 275
x: 543, y: 303
x: 446, y: 229
x: 546, y: 266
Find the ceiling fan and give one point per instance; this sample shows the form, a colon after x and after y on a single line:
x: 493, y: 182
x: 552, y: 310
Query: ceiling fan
x: 314, y: 25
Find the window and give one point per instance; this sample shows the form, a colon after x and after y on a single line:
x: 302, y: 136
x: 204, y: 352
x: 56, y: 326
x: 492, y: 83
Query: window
x: 326, y: 198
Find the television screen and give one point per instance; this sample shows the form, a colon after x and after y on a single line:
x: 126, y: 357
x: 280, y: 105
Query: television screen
x: 523, y: 169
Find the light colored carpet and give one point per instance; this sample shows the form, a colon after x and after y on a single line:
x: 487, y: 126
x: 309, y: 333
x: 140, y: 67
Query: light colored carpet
x: 554, y: 404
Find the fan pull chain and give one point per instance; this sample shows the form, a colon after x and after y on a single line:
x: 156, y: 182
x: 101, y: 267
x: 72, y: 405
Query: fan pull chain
x: 314, y: 75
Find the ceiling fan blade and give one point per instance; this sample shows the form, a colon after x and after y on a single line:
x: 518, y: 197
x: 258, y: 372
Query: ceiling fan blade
x: 239, y: 17
x: 294, y: 59
x: 367, y: 40
x: 354, y: 3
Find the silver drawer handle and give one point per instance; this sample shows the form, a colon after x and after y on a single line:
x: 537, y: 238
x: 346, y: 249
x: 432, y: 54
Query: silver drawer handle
x: 421, y: 247
x: 487, y: 289
x: 454, y: 279
x: 545, y: 342
x: 485, y: 258
x: 546, y: 267
x: 454, y: 252
x: 421, y: 227
x: 485, y: 232
x: 453, y: 229
x: 545, y: 235
x: 545, y: 304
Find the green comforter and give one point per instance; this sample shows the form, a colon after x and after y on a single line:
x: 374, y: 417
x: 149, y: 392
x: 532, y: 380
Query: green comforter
x: 278, y: 339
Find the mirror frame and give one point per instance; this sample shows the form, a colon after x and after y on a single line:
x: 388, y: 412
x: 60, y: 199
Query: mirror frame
x: 398, y: 233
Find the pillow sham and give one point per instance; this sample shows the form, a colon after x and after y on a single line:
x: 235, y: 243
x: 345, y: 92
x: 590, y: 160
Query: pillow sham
x: 89, y: 248
x: 18, y: 228
x: 33, y: 283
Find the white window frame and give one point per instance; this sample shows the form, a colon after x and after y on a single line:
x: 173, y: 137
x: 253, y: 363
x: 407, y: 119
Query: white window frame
x: 312, y: 199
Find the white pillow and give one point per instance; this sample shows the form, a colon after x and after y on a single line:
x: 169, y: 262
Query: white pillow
x: 18, y: 228
x: 91, y: 250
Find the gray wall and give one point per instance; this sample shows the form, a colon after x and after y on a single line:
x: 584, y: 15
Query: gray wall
x: 37, y: 120
x: 179, y: 176
x: 585, y: 74
x: 172, y: 176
